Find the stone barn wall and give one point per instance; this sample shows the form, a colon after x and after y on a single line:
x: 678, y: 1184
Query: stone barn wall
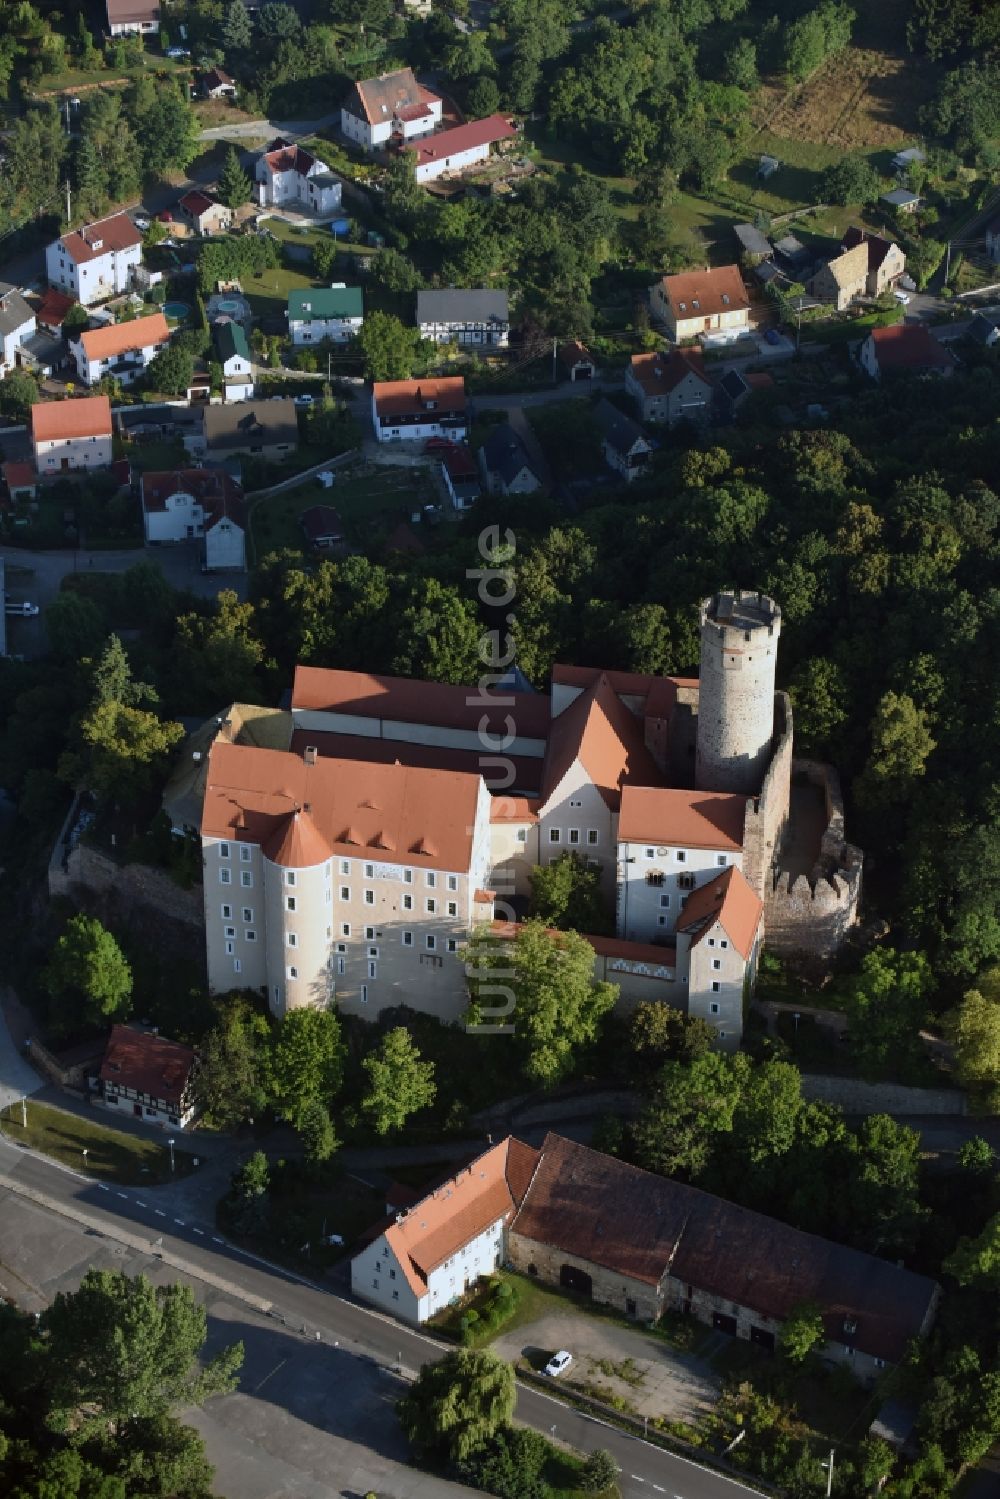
x: 608, y: 1288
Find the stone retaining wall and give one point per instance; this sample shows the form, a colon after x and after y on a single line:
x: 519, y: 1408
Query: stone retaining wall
x: 857, y: 1097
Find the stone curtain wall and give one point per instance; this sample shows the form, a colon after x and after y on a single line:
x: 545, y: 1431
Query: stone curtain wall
x: 767, y: 814
x: 809, y: 916
x: 133, y: 886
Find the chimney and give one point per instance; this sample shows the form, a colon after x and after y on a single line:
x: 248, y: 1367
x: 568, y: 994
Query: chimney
x: 309, y: 754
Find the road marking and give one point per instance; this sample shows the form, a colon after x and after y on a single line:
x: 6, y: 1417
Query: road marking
x: 102, y: 1188
x: 123, y: 1196
x: 141, y: 1205
x: 179, y: 1222
x: 659, y: 1488
x: 218, y: 1241
x: 158, y: 1213
x: 637, y: 1478
x: 198, y: 1231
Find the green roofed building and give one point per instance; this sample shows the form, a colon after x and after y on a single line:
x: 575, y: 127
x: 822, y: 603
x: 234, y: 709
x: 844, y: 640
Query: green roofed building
x: 319, y: 312
x: 234, y: 356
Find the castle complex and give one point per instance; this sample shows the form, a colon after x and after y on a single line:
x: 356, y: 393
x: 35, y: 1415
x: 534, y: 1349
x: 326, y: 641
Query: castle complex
x: 351, y: 864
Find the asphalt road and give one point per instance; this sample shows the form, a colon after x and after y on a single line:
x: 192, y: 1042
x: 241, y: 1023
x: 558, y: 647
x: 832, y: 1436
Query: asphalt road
x: 136, y: 1220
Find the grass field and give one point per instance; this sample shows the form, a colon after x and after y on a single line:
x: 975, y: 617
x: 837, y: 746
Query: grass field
x: 864, y: 99
x: 153, y: 456
x: 367, y: 501
x: 129, y: 1160
x: 268, y: 292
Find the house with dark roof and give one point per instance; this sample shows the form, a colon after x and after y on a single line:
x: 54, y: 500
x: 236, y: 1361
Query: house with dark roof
x: 624, y: 446
x: 147, y: 1077
x: 234, y: 355
x: 287, y: 174
x: 216, y: 84
x: 985, y: 329
x: 133, y: 17
x: 669, y: 388
x: 266, y: 429
x: 904, y: 348
x: 902, y: 200
x: 392, y: 108
x: 322, y: 527
x: 479, y: 316
x: 576, y: 360
x: 754, y: 244
x: 459, y: 475
x: 647, y: 1244
x: 197, y: 504
x: 334, y: 312
x: 17, y: 324
x: 506, y: 464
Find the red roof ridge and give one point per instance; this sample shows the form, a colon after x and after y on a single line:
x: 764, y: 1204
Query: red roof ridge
x: 728, y: 899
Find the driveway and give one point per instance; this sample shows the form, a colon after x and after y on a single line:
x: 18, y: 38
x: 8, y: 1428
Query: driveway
x: 642, y: 1369
x: 17, y: 1079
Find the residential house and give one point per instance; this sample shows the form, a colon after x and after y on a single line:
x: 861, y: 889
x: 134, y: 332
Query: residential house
x: 904, y: 347
x: 53, y: 310
x: 985, y: 329
x: 17, y: 324
x: 391, y: 108
x: 886, y: 261
x: 911, y: 157
x: 506, y: 464
x: 234, y: 356
x: 146, y: 1076
x: 133, y: 17
x: 205, y: 214
x: 754, y: 245
x: 21, y: 480
x: 460, y: 476
x: 333, y: 312
x: 902, y: 200
x: 96, y: 262
x: 322, y: 527
x: 843, y: 279
x: 647, y: 1244
x: 265, y: 429
x: 218, y: 85
x: 624, y: 446
x: 286, y: 174
x: 713, y: 301
x: 459, y: 148
x: 414, y: 409
x: 480, y: 317
x: 576, y: 360
x: 120, y: 350
x: 197, y: 504
x: 669, y: 388
x: 793, y: 254
x: 427, y: 1256
x: 74, y: 434
x: 993, y: 240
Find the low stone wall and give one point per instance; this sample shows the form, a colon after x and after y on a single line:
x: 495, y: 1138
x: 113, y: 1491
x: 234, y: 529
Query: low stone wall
x: 857, y: 1097
x: 809, y: 916
x: 61, y: 1071
x: 89, y: 871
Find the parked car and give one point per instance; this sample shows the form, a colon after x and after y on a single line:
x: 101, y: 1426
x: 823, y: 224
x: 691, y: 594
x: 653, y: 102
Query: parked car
x: 304, y: 400
x: 902, y: 296
x: 772, y: 336
x: 22, y: 611
x: 558, y: 1363
x: 178, y: 52
x: 437, y: 444
x: 141, y: 222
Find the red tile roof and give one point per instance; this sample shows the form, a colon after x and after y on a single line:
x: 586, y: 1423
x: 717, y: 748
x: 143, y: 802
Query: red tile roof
x: 683, y: 819
x: 408, y: 701
x: 54, y: 307
x: 19, y: 476
x: 196, y: 203
x: 729, y: 901
x: 115, y: 233
x: 412, y: 397
x: 379, y: 751
x: 606, y: 738
x: 218, y: 495
x: 125, y: 338
x: 460, y: 138
x: 909, y: 346
x: 378, y: 99
x: 659, y: 374
x: 418, y: 817
x: 82, y: 416
x: 574, y: 352
x: 703, y: 293
x: 605, y: 947
x: 290, y: 159
x: 322, y: 523
x: 147, y: 1063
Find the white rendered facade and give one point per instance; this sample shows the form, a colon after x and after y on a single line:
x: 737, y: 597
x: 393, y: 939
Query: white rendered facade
x: 654, y: 881
x: 64, y: 454
x: 106, y: 273
x: 378, y: 1276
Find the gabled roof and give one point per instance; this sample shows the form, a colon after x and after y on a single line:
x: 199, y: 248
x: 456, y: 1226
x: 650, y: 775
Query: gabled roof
x: 504, y: 453
x: 14, y: 310
x: 196, y: 203
x: 100, y: 238
x: 54, y: 307
x: 321, y: 523
x: 659, y: 374
x: 617, y: 429
x: 703, y: 293
x: 124, y: 12
x: 331, y: 745
x: 423, y: 818
x: 125, y: 338
x: 250, y: 423
x: 311, y: 303
x: 285, y: 158
x: 216, y: 78
x: 378, y: 99
x: 414, y: 397
x: 984, y: 328
x: 753, y: 241
x: 728, y: 900
x: 231, y: 341
x: 878, y: 247
x: 606, y: 738
x: 573, y: 352
x: 219, y: 496
x: 460, y: 138
x: 909, y: 346
x: 642, y: 1226
x: 147, y: 1063
x: 81, y: 416
x: 488, y: 1190
x: 402, y: 699
x: 682, y: 819
x: 459, y: 305
x: 850, y: 267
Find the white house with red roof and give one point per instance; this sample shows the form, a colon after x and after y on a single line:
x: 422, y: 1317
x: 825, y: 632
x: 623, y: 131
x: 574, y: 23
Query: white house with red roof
x: 710, y: 304
x: 414, y: 410
x: 96, y: 262
x: 148, y: 1077
x: 197, y: 504
x: 392, y: 107
x: 669, y: 388
x: 287, y: 177
x: 121, y: 350
x: 73, y: 434
x: 904, y: 348
x: 449, y: 152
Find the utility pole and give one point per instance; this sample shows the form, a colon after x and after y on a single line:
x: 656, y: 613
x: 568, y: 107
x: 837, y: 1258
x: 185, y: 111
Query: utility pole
x: 69, y: 204
x: 829, y: 1475
x: 947, y: 264
x: 555, y: 346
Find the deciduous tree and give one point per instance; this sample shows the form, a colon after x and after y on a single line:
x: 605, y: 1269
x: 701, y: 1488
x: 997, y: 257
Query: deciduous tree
x: 88, y: 962
x: 457, y: 1404
x: 400, y: 1082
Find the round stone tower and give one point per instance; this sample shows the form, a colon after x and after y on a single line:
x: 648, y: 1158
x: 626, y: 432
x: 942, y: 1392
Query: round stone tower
x: 739, y: 649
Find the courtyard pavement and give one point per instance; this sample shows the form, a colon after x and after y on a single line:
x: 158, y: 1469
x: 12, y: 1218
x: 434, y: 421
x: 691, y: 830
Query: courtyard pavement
x: 673, y: 1385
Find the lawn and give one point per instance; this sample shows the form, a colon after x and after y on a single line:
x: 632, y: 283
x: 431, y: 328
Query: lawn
x: 154, y: 456
x: 268, y: 292
x: 366, y: 500
x: 556, y: 154
x: 112, y: 1156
